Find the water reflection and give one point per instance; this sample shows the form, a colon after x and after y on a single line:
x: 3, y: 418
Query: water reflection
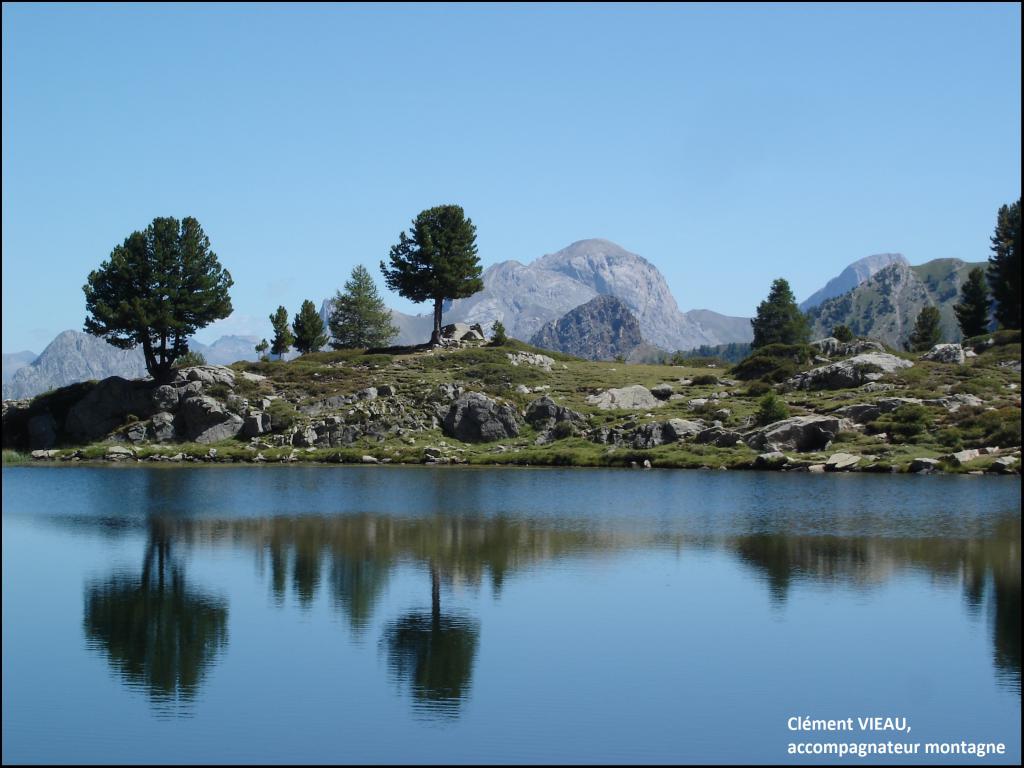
x: 157, y: 631
x: 163, y: 634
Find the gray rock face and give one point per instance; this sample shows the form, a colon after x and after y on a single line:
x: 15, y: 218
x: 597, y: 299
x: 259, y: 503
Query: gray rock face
x: 718, y: 436
x: 256, y: 423
x: 42, y: 431
x: 205, y: 420
x: 851, y: 372
x: 207, y: 375
x: 530, y: 358
x: 601, y: 329
x: 165, y: 398
x: 544, y: 412
x: 946, y: 353
x: 632, y: 397
x: 663, y: 391
x: 800, y: 433
x: 851, y: 277
x: 476, y: 418
x: 162, y: 427
x: 14, y: 361
x: 962, y: 457
x: 681, y: 429
x: 838, y: 462
x: 106, y: 407
x: 924, y: 465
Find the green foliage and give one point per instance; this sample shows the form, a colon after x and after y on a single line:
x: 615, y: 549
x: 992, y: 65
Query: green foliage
x: 283, y: 415
x: 563, y: 429
x: 906, y: 422
x: 758, y: 388
x: 359, y: 318
x: 437, y: 260
x: 704, y: 379
x: 771, y: 409
x: 842, y: 333
x: 927, y: 330
x: 190, y: 359
x: 719, y: 353
x: 310, y: 335
x: 774, y: 362
x: 1004, y: 266
x: 972, y: 311
x: 157, y: 289
x: 261, y: 349
x: 779, y: 319
x: 498, y: 336
x: 283, y: 336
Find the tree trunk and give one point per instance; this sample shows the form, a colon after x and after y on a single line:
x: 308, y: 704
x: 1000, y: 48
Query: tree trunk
x: 435, y: 337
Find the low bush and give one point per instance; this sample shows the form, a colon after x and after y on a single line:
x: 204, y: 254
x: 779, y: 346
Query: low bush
x: 283, y: 415
x: 774, y: 362
x: 771, y: 409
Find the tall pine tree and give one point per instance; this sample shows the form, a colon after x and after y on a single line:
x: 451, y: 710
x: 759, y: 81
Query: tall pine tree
x: 927, y: 330
x: 1004, y: 266
x: 437, y: 260
x: 779, y: 319
x: 309, y: 329
x: 359, y: 318
x: 283, y: 337
x: 972, y: 311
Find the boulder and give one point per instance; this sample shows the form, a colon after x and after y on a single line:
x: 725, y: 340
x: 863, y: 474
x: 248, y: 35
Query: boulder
x: 634, y: 396
x: 962, y: 457
x: 1005, y: 464
x: 838, y: 462
x: 528, y: 358
x: 924, y: 465
x: 719, y: 437
x: 476, y: 418
x: 828, y: 347
x: 799, y: 433
x: 648, y: 436
x: 544, y: 412
x: 662, y: 391
x: 367, y: 459
x: 304, y: 438
x: 205, y: 420
x: 771, y: 460
x: 162, y: 427
x: 165, y: 398
x: 680, y: 429
x: 119, y: 453
x: 42, y: 431
x: 42, y: 455
x: 208, y: 375
x: 859, y: 413
x: 851, y: 372
x: 256, y: 423
x: 945, y: 353
x: 106, y: 407
x: 136, y: 432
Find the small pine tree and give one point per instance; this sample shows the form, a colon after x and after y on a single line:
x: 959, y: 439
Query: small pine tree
x: 283, y: 336
x: 261, y: 349
x: 1004, y: 266
x: 498, y: 336
x: 927, y: 330
x: 359, y: 318
x: 843, y: 333
x: 779, y: 319
x: 771, y: 409
x: 972, y: 311
x: 190, y: 359
x: 309, y: 329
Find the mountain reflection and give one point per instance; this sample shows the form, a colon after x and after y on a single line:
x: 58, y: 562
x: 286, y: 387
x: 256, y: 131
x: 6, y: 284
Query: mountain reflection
x: 157, y: 631
x: 161, y: 633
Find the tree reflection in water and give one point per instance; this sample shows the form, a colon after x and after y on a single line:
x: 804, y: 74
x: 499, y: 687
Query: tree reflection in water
x: 157, y: 632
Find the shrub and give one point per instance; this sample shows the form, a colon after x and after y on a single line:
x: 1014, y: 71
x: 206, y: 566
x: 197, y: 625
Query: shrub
x: 774, y: 362
x: 706, y: 378
x: 758, y: 388
x: 283, y: 415
x: 771, y: 409
x: 563, y: 429
x: 843, y: 333
x: 906, y: 422
x: 190, y: 359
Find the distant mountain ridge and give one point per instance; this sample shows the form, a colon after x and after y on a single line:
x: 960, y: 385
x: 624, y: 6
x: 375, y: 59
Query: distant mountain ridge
x: 601, y: 329
x: 855, y: 274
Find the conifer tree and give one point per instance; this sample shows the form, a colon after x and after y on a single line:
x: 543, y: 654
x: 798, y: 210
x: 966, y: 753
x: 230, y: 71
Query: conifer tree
x: 927, y: 330
x: 779, y: 319
x: 359, y: 318
x: 309, y: 329
x: 972, y: 311
x: 261, y: 349
x: 283, y: 336
x: 1004, y: 266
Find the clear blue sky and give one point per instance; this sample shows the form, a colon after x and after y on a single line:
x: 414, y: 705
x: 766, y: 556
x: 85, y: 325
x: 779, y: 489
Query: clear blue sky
x: 728, y: 145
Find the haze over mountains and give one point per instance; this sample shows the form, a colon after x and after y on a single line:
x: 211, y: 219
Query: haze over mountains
x: 878, y: 296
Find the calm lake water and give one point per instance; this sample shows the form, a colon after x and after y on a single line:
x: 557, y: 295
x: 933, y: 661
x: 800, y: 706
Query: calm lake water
x: 379, y: 614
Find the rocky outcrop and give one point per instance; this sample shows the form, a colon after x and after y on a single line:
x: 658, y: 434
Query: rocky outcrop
x: 530, y: 358
x: 849, y: 373
x: 107, y: 406
x: 946, y: 353
x: 544, y: 412
x: 601, y: 329
x: 476, y: 418
x: 800, y: 433
x: 632, y: 397
x: 206, y: 420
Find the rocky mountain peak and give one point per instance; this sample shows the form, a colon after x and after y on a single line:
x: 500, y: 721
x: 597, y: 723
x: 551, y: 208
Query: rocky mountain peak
x: 601, y: 329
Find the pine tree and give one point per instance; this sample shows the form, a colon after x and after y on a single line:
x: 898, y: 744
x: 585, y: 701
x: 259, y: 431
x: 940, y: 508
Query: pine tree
x: 842, y: 333
x: 437, y: 260
x: 1004, y: 266
x: 261, y: 349
x: 283, y: 336
x: 309, y: 329
x: 927, y: 330
x: 498, y: 336
x: 972, y: 311
x: 779, y: 319
x: 359, y: 318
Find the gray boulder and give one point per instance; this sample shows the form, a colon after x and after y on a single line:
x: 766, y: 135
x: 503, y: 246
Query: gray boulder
x: 544, y: 412
x: 42, y: 431
x: 924, y: 465
x: 106, y: 407
x: 799, y: 433
x: 771, y: 460
x: 632, y: 397
x: 165, y: 398
x: 680, y: 429
x: 162, y: 427
x: 476, y: 418
x: 208, y: 375
x: 839, y: 462
x: 945, y: 353
x: 256, y: 423
x: 136, y: 432
x: 719, y: 437
x: 962, y: 457
x: 648, y: 436
x: 851, y: 372
x: 205, y: 420
x: 662, y: 391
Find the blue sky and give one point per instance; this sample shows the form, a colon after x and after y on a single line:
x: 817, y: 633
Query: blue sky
x: 727, y: 144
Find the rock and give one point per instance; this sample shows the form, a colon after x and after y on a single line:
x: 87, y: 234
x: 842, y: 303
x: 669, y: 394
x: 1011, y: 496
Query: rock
x: 662, y: 391
x: 648, y: 436
x: 722, y: 414
x: 962, y: 457
x: 851, y: 372
x: 367, y: 459
x: 385, y: 390
x: 208, y: 375
x: 697, y: 402
x: 162, y: 427
x: 106, y: 407
x: 924, y: 465
x: 1004, y: 464
x: 829, y: 346
x: 945, y: 353
x: 370, y: 393
x: 860, y: 413
x: 119, y: 453
x: 679, y: 429
x: 634, y: 396
x: 799, y: 433
x: 544, y: 412
x: 165, y: 398
x: 205, y: 420
x: 771, y: 460
x: 42, y: 431
x: 816, y: 468
x: 722, y: 438
x: 838, y: 462
x: 601, y: 329
x: 528, y: 358
x: 474, y: 418
x: 42, y: 455
x: 647, y: 463
x: 256, y: 423
x: 136, y: 432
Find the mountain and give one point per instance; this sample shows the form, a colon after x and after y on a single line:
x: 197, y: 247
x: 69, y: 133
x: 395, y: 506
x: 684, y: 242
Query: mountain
x: 851, y: 277
x: 14, y: 361
x: 886, y: 305
x: 526, y: 296
x: 601, y: 329
x: 227, y: 349
x: 71, y: 357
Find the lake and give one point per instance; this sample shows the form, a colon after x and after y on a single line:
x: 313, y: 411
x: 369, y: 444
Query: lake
x: 414, y: 614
